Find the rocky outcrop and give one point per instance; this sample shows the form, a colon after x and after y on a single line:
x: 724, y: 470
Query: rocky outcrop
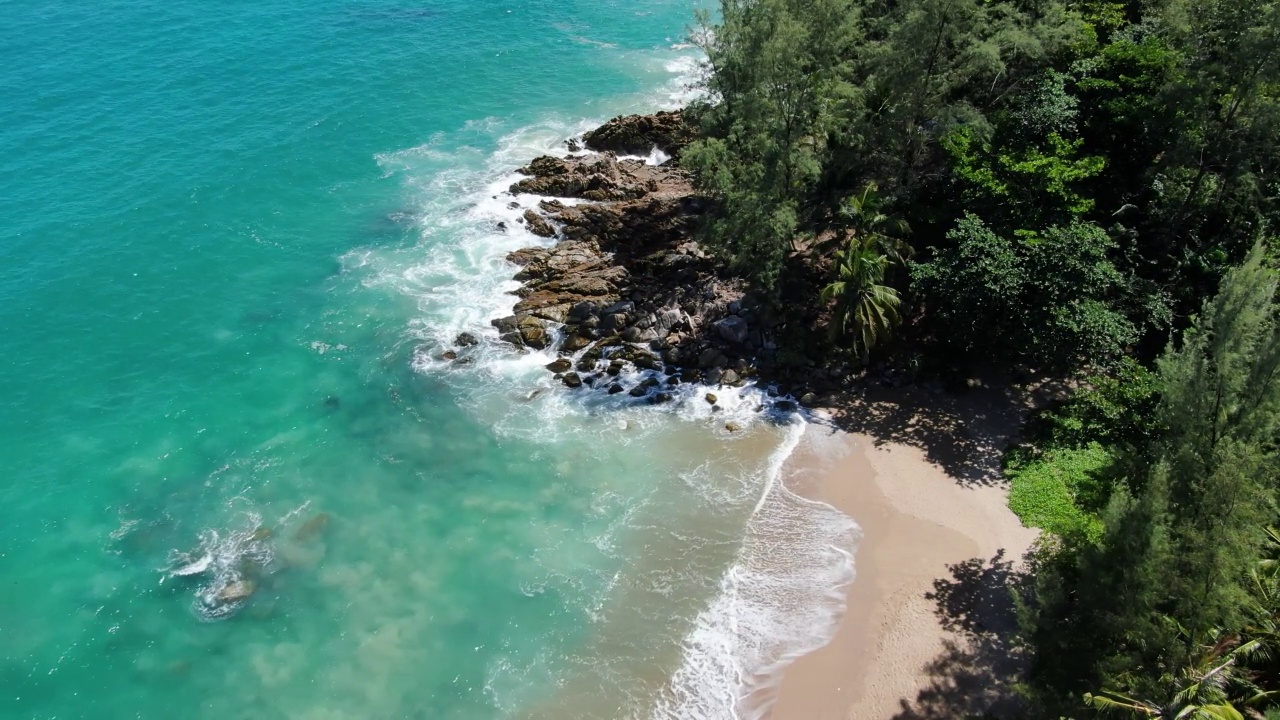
x: 627, y: 287
x: 640, y: 134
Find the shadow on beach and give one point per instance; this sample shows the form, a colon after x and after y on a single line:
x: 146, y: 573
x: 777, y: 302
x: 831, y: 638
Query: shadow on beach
x: 965, y: 433
x: 974, y: 675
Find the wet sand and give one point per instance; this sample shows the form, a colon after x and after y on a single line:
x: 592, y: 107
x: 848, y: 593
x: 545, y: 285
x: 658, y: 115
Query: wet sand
x: 926, y: 631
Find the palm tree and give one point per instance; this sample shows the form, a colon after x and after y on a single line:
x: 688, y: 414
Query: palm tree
x: 863, y: 214
x: 1204, y: 691
x: 866, y: 308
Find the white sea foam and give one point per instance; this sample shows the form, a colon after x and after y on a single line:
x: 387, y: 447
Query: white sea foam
x: 219, y: 560
x: 783, y: 597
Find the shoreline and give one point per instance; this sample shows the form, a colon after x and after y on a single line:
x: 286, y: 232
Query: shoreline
x: 925, y: 633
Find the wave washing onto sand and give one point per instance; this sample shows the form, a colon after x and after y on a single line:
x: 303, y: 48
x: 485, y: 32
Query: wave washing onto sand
x: 783, y: 597
x: 783, y: 594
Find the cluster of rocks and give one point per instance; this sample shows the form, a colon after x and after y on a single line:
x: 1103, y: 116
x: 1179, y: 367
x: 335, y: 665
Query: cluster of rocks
x: 627, y: 286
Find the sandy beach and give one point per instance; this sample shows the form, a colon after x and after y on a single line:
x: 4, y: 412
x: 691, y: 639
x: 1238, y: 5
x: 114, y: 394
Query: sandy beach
x: 929, y: 617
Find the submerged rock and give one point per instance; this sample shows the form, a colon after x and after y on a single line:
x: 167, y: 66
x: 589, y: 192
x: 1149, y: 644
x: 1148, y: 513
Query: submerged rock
x: 312, y: 527
x: 236, y: 591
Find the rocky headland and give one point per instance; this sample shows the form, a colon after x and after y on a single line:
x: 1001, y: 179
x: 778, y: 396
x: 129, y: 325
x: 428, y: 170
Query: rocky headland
x: 627, y: 286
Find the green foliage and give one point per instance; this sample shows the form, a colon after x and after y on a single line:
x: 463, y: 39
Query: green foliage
x: 775, y: 76
x: 1048, y: 491
x: 1116, y: 408
x: 1052, y: 298
x: 1038, y: 180
x: 866, y: 308
x: 1176, y: 569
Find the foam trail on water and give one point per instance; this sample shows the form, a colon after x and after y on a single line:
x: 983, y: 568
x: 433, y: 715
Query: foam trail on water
x: 782, y: 598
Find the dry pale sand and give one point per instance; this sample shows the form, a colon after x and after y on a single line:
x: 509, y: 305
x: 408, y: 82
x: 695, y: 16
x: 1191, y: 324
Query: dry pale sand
x: 926, y: 633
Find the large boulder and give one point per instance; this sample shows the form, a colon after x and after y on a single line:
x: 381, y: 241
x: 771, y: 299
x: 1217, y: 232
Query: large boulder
x: 732, y: 329
x: 639, y: 134
x: 533, y: 332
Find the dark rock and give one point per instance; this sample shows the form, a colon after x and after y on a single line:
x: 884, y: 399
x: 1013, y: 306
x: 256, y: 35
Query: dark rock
x: 573, y: 145
x: 464, y: 361
x: 639, y: 134
x: 730, y: 378
x: 508, y: 329
x: 809, y: 399
x: 624, y: 306
x: 785, y: 406
x: 585, y: 364
x: 649, y: 382
x: 559, y: 365
x: 572, y: 379
x: 575, y: 342
x: 613, y: 322
x: 673, y: 381
x: 732, y: 329
x: 538, y: 225
x: 448, y: 355
x: 502, y: 226
x: 709, y: 358
x: 615, y: 367
x: 639, y: 391
x: 312, y: 527
x: 466, y: 339
x: 662, y: 397
x: 581, y: 311
x: 712, y: 376
x: 615, y: 388
x: 513, y: 205
x: 638, y: 335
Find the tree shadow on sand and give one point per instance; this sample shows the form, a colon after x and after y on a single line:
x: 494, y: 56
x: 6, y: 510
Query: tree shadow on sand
x: 964, y: 434
x: 974, y: 675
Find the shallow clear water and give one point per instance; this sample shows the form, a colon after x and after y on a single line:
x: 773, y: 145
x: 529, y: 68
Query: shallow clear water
x: 234, y: 237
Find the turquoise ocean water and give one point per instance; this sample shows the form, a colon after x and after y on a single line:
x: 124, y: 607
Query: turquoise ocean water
x: 233, y: 237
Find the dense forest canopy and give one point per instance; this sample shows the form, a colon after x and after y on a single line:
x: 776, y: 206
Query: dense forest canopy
x: 1087, y: 188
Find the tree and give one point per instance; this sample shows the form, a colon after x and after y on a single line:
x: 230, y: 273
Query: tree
x: 1221, y: 402
x: 774, y: 85
x: 1178, y: 560
x: 1207, y: 689
x: 1052, y: 298
x: 867, y: 310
